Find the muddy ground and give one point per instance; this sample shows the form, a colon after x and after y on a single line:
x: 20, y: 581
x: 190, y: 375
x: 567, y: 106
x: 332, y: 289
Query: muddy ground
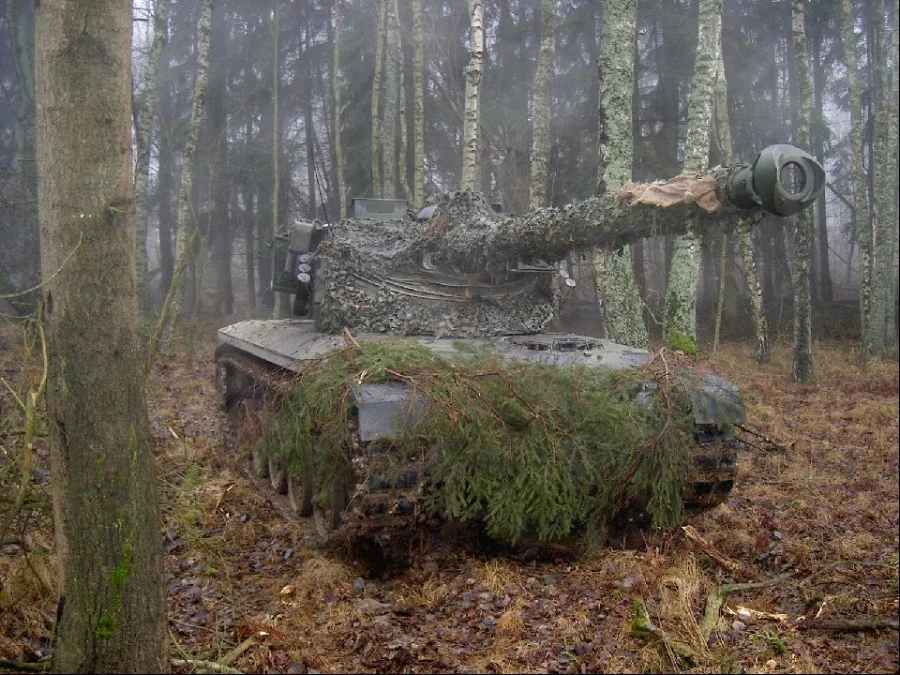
x: 813, y: 517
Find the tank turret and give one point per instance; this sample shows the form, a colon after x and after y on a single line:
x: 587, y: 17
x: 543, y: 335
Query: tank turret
x: 461, y: 269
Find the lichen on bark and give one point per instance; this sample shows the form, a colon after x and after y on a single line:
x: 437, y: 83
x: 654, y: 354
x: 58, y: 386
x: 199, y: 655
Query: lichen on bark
x: 681, y: 293
x: 616, y: 288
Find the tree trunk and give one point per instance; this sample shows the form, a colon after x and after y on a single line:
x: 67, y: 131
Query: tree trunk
x: 381, y: 34
x: 680, y: 321
x: 220, y: 232
x: 745, y: 241
x: 824, y: 292
x: 616, y: 289
x: 164, y: 186
x: 336, y: 92
x: 20, y: 15
x: 880, y: 329
x: 469, y: 180
x: 392, y: 64
x: 186, y: 216
x: 403, y: 138
x: 418, y: 187
x: 144, y: 134
x: 540, y: 108
x: 111, y: 613
x: 803, y: 370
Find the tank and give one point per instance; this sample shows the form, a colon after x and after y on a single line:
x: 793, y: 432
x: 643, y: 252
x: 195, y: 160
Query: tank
x: 458, y: 278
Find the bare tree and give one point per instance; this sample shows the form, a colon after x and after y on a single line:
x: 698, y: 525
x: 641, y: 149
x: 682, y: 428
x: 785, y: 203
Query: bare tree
x: 540, y: 107
x: 111, y: 614
x: 469, y: 179
x: 144, y: 133
x: 803, y: 370
x: 680, y: 324
x: 614, y: 269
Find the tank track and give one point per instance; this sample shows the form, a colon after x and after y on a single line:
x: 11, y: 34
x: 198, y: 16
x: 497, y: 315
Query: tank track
x: 382, y: 514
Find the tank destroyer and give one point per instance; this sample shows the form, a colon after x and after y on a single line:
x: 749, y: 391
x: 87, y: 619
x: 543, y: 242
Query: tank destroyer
x: 456, y: 279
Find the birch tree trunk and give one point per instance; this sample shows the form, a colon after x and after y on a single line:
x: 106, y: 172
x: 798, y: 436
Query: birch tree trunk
x: 614, y: 270
x: 469, y: 179
x: 144, y: 136
x: 336, y: 92
x: 680, y: 320
x: 187, y: 224
x: 377, y: 187
x: 540, y: 108
x: 744, y: 229
x: 880, y: 329
x: 403, y: 146
x: 803, y: 370
x: 418, y: 187
x: 111, y: 615
x: 391, y: 100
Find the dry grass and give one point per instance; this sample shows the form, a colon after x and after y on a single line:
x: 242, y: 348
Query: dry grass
x: 824, y: 508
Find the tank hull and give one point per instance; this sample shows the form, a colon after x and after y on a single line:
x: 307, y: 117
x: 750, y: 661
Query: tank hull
x: 257, y: 360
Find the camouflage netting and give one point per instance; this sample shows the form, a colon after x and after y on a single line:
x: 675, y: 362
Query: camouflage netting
x: 395, y: 277
x: 457, y: 274
x: 533, y: 450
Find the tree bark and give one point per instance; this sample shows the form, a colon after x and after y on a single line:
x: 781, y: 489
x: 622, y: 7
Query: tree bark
x: 216, y: 132
x: 849, y: 44
x: 21, y: 16
x: 680, y: 321
x: 803, y: 369
x: 540, y: 107
x: 614, y: 269
x: 744, y: 239
x: 336, y: 92
x: 880, y: 328
x: 418, y: 186
x: 469, y: 180
x: 392, y: 64
x: 186, y: 216
x: 144, y: 135
x: 111, y: 614
x: 377, y: 189
x: 824, y: 292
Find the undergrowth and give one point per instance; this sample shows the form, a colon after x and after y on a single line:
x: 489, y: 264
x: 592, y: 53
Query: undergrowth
x: 534, y: 450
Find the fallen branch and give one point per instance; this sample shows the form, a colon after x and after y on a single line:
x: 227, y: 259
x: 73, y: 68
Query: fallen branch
x: 642, y: 626
x: 205, y: 665
x: 237, y: 651
x: 849, y: 625
x: 716, y: 599
x: 763, y: 437
x: 694, y: 537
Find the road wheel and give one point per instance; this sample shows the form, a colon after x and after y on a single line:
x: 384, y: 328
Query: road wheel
x: 301, y: 489
x: 278, y: 475
x: 328, y: 517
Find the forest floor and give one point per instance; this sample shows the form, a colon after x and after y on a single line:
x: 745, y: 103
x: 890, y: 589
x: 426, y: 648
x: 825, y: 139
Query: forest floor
x: 815, y: 519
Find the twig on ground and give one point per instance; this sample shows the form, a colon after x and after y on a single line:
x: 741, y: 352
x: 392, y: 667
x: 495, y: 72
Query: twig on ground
x: 774, y: 446
x: 693, y: 536
x: 240, y: 649
x: 716, y: 599
x: 848, y: 625
x: 205, y: 665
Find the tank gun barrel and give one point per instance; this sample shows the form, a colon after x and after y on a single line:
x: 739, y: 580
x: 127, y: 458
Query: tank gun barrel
x: 783, y: 180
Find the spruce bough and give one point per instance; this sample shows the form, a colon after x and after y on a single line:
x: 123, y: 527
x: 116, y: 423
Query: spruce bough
x: 535, y: 450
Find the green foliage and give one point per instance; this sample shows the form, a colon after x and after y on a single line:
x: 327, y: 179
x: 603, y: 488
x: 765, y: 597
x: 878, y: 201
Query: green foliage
x: 532, y: 449
x: 678, y: 341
